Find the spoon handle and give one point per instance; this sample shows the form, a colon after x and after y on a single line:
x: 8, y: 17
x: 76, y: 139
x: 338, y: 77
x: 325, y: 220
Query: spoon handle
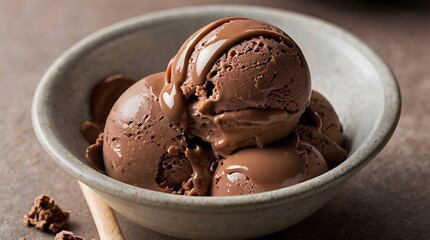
x: 103, y: 216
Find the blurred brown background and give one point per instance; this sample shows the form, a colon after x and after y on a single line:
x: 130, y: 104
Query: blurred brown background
x: 388, y: 199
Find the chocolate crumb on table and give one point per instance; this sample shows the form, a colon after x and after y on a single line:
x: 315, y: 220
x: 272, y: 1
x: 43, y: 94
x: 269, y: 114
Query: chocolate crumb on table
x: 66, y: 235
x: 46, y: 215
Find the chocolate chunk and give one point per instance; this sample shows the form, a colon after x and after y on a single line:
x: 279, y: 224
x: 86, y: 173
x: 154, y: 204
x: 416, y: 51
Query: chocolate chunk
x: 46, y: 215
x: 66, y: 235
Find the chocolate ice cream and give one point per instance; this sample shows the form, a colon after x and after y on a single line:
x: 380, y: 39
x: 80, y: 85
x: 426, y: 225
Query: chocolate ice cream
x: 237, y: 83
x: 145, y: 148
x: 320, y: 127
x: 229, y: 102
x: 280, y: 164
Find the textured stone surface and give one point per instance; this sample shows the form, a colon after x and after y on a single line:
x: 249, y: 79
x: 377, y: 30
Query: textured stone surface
x: 388, y: 199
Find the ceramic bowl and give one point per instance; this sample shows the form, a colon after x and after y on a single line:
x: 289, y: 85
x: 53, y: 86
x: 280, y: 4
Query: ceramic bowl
x: 357, y: 82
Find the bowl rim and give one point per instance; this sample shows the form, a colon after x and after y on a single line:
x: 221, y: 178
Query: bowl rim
x: 104, y: 184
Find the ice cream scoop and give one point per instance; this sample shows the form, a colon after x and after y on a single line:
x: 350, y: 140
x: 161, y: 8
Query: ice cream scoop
x: 320, y: 127
x: 145, y: 148
x: 237, y: 83
x: 330, y: 123
x: 280, y: 164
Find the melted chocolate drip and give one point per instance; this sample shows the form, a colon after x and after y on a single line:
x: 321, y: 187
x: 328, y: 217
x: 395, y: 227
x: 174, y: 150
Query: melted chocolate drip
x: 171, y: 98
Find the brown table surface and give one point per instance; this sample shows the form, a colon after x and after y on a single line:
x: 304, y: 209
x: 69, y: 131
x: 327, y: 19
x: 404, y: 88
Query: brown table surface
x: 388, y: 199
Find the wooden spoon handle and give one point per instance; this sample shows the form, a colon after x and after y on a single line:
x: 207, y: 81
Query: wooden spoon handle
x: 103, y: 216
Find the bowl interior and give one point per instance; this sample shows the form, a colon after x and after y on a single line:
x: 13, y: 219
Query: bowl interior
x: 355, y: 81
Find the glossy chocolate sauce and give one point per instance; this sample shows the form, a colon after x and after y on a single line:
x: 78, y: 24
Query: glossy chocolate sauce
x: 171, y: 99
x: 261, y: 126
x: 200, y: 157
x: 254, y: 126
x: 276, y: 166
x: 201, y: 161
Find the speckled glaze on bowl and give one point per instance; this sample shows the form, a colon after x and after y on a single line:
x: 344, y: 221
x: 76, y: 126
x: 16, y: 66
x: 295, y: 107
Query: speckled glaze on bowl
x: 357, y: 82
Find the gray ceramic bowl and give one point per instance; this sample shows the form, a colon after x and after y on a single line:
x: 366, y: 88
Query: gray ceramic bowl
x: 360, y: 86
